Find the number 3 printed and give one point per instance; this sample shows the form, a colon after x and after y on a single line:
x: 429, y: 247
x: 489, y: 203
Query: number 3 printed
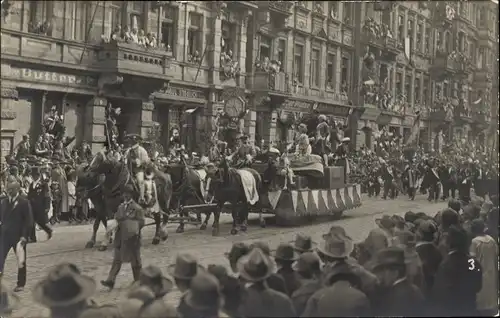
x: 472, y: 264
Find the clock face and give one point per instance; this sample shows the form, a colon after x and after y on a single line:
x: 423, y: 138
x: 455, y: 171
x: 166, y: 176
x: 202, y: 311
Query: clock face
x: 234, y: 107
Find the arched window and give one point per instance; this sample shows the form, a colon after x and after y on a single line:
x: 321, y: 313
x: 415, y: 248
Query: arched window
x: 448, y: 42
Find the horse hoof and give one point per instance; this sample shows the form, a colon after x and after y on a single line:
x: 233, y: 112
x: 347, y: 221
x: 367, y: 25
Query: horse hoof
x: 102, y: 248
x: 215, y: 232
x: 179, y: 230
x: 263, y: 223
x: 234, y: 231
x: 90, y: 244
x: 156, y: 241
x: 203, y: 227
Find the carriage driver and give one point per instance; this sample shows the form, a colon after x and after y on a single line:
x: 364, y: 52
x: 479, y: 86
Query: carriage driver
x: 245, y: 152
x: 137, y: 158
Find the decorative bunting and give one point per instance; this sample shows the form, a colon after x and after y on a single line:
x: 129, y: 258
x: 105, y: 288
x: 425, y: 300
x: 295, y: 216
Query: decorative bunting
x: 315, y: 197
x: 342, y: 196
x: 274, y: 198
x: 305, y: 198
x: 349, y: 192
x: 294, y: 195
x: 358, y: 189
x: 333, y: 193
x: 324, y: 195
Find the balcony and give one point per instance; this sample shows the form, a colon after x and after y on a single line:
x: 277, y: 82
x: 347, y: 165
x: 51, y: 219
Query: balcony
x: 276, y: 13
x: 133, y: 59
x: 443, y: 66
x: 444, y: 13
x: 379, y: 37
x: 274, y: 83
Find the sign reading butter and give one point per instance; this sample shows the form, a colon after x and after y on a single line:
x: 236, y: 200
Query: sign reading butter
x: 296, y: 105
x: 184, y: 93
x: 55, y: 77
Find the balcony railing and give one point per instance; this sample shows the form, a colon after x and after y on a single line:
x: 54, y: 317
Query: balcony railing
x: 379, y: 35
x: 271, y: 81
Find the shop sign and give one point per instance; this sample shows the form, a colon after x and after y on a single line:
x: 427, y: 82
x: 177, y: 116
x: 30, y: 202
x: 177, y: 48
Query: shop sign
x: 296, y: 106
x: 336, y: 110
x: 53, y: 77
x: 184, y: 93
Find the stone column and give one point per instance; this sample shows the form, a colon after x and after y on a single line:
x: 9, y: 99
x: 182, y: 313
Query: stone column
x: 250, y: 119
x: 307, y: 63
x: 322, y: 66
x: 215, y: 56
x: 95, y: 132
x: 182, y: 33
x: 412, y: 89
x: 272, y: 127
x: 147, y: 108
x: 242, y: 49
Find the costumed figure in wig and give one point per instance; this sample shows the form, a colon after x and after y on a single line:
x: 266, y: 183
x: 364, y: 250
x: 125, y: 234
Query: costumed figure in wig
x: 111, y: 127
x: 341, y: 153
x: 303, y: 147
x: 137, y: 159
x: 322, y: 142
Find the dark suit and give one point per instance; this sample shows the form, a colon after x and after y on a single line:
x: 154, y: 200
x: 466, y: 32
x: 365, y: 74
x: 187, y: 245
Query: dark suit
x: 16, y: 221
x: 402, y: 299
x: 39, y: 198
x: 266, y: 302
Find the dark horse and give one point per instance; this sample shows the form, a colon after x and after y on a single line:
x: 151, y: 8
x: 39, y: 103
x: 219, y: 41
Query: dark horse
x: 226, y: 186
x: 103, y: 181
x: 187, y: 190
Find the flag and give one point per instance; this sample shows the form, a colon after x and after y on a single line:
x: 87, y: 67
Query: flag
x: 415, y: 130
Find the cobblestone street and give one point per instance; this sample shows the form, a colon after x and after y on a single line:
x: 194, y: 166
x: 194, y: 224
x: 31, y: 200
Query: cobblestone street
x: 68, y: 242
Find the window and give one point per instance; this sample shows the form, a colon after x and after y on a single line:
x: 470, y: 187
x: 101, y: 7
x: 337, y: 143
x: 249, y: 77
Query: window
x: 482, y: 17
x: 194, y: 36
x: 425, y: 90
x: 282, y: 52
x: 470, y: 49
x: 78, y: 20
x: 330, y: 71
x: 136, y: 15
x: 401, y: 31
x: 265, y: 47
x: 344, y: 73
x: 417, y: 90
x: 408, y: 93
x: 333, y: 9
x: 227, y: 44
x: 347, y: 18
x: 315, y: 72
x: 114, y: 13
x: 168, y: 25
x: 427, y: 39
x: 420, y: 34
x: 298, y: 63
x: 445, y: 89
x: 40, y: 14
x: 411, y: 27
x: 454, y: 92
x: 399, y: 84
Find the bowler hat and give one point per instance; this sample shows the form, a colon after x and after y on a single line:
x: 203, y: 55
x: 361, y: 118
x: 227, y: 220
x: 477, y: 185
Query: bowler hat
x: 64, y: 286
x: 204, y: 292
x: 303, y: 243
x: 285, y: 252
x: 255, y: 266
x: 386, y: 222
x: 153, y: 276
x: 8, y: 301
x: 185, y: 267
x: 336, y: 243
x: 237, y: 250
x: 389, y: 256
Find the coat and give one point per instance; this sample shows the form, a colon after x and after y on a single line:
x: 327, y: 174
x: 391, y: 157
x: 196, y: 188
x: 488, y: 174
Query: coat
x: 39, y: 196
x: 266, y: 302
x: 130, y: 219
x: 302, y: 295
x: 431, y: 258
x: 401, y: 299
x: 291, y: 279
x: 485, y: 249
x: 338, y: 300
x: 16, y: 220
x: 457, y: 281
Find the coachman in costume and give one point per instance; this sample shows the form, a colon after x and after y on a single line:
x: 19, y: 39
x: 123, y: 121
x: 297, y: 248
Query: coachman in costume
x: 137, y: 158
x: 244, y: 154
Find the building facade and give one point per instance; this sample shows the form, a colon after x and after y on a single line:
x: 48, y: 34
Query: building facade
x: 266, y: 64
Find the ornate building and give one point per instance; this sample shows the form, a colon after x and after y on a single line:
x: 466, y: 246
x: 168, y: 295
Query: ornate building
x: 263, y: 64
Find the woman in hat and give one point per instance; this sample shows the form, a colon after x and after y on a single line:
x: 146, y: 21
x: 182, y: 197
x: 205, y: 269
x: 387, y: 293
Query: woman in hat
x: 65, y: 291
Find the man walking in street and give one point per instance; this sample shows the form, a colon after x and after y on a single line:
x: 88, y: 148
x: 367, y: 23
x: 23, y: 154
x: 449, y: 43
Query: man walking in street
x: 39, y: 198
x: 16, y: 222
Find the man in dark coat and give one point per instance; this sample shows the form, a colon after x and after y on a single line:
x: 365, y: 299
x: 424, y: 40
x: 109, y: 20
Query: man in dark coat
x: 274, y: 281
x: 397, y: 295
x: 458, y: 279
x: 285, y: 256
x: 39, y: 197
x: 127, y: 243
x: 308, y: 266
x: 428, y: 252
x: 16, y: 222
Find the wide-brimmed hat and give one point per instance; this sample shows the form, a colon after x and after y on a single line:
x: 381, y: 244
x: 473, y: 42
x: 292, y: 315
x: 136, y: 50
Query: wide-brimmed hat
x: 285, y: 253
x: 255, y: 266
x: 153, y: 276
x: 237, y: 250
x: 185, y: 267
x: 386, y: 222
x: 64, y: 286
x: 308, y: 261
x: 8, y: 301
x: 336, y: 243
x: 204, y: 292
x: 262, y: 245
x: 389, y: 256
x: 303, y: 243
